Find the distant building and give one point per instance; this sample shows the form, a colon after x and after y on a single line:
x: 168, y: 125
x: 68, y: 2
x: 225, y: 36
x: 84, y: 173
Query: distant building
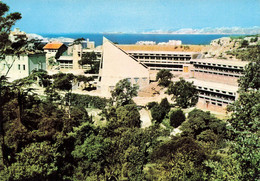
x: 17, y: 34
x: 53, y: 51
x: 171, y: 42
x: 146, y: 43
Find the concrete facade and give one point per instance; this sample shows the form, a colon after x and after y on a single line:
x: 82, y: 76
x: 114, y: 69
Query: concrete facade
x: 116, y: 65
x: 216, y: 70
x: 213, y: 94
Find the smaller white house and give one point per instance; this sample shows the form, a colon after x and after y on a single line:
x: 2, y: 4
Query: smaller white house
x: 15, y: 67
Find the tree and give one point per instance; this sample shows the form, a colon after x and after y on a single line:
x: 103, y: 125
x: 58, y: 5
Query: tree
x: 177, y: 117
x: 251, y: 77
x: 244, y: 43
x: 198, y: 124
x: 151, y: 104
x: 86, y: 80
x: 180, y: 158
x: 123, y: 92
x: 6, y: 47
x: 244, y: 133
x: 128, y: 116
x: 37, y: 161
x: 164, y: 77
x: 90, y: 58
x: 165, y: 105
x: 158, y: 113
x: 184, y: 93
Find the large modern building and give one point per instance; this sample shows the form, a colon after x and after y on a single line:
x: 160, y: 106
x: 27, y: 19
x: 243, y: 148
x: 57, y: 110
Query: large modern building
x: 116, y: 65
x: 157, y: 57
x: 215, y: 79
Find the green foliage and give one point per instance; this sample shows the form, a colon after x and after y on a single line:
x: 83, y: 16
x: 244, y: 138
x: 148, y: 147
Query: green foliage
x: 244, y: 43
x: 165, y: 105
x: 123, y: 92
x: 63, y: 81
x: 251, y: 53
x: 37, y: 161
x: 225, y: 169
x: 7, y: 20
x: 86, y: 101
x: 246, y: 112
x: 244, y: 133
x: 251, y: 77
x: 177, y: 117
x: 150, y: 105
x: 128, y: 116
x: 90, y: 58
x: 203, y: 126
x: 164, y: 77
x: 180, y: 158
x: 184, y: 93
x: 158, y: 113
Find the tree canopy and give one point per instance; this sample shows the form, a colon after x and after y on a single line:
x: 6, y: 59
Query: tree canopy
x: 123, y: 92
x: 184, y: 93
x: 164, y: 77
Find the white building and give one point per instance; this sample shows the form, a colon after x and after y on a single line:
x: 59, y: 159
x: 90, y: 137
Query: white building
x: 116, y: 65
x: 22, y: 66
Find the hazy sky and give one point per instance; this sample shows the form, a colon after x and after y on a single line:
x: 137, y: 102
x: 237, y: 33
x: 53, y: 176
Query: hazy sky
x: 94, y: 16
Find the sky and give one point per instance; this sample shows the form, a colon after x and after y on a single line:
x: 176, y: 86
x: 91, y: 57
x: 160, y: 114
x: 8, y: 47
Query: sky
x: 130, y: 16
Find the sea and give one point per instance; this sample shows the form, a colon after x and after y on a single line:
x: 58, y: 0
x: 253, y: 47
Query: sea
x: 121, y: 38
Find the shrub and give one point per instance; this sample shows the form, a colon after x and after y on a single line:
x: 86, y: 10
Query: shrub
x: 157, y: 113
x: 177, y: 117
x: 150, y: 105
x: 88, y: 101
x: 165, y: 105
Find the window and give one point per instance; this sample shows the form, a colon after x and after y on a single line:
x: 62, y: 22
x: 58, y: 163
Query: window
x: 136, y: 80
x: 23, y: 67
x: 19, y: 67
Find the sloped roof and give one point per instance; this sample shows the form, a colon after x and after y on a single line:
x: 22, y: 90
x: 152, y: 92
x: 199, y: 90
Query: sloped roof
x: 53, y: 46
x: 180, y: 48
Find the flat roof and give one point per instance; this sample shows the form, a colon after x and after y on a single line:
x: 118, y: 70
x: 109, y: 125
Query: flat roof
x: 163, y: 48
x: 163, y: 52
x: 222, y: 61
x: 214, y: 85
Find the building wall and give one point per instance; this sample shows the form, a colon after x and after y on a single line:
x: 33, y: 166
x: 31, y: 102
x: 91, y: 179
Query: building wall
x: 36, y: 62
x: 19, y: 68
x: 202, y: 104
x: 216, y: 78
x: 117, y: 65
x: 23, y: 65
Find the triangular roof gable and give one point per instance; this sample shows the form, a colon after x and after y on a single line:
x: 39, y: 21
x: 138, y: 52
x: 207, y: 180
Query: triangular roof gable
x: 106, y: 40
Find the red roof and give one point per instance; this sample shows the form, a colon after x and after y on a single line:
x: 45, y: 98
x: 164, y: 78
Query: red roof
x: 53, y: 46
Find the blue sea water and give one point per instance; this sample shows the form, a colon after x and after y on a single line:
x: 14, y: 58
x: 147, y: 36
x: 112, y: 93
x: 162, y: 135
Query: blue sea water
x: 133, y: 38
